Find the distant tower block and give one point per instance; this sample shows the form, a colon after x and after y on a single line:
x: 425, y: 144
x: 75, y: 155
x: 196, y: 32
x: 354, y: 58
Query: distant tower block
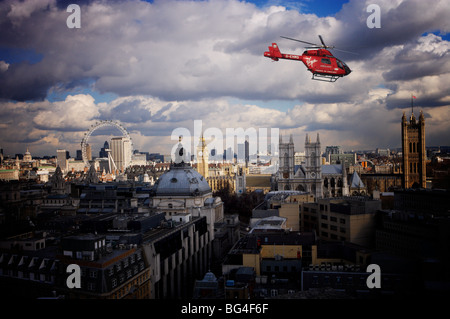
x: 414, y: 154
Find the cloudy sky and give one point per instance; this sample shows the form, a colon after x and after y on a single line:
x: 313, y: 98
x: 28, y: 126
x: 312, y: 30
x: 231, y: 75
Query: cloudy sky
x: 156, y: 66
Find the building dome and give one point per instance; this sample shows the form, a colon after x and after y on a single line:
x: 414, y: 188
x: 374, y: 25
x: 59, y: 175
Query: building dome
x: 181, y: 180
x: 27, y: 156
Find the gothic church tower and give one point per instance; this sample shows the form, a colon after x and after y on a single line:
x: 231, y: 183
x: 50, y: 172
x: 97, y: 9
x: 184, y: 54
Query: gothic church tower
x: 414, y: 153
x: 313, y: 167
x: 286, y: 163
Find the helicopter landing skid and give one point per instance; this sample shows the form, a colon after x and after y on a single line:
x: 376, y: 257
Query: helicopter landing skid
x: 325, y: 77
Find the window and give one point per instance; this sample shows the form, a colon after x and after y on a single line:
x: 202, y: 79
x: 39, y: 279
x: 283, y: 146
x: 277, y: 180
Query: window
x: 93, y: 273
x: 326, y: 61
x: 315, y: 280
x: 333, y: 219
x: 350, y: 281
x: 325, y: 217
x: 342, y: 220
x: 323, y: 225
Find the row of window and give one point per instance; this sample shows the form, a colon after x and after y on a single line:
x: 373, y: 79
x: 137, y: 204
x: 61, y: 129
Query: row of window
x: 333, y: 227
x: 412, y: 147
x: 125, y: 263
x: 413, y: 168
x: 35, y: 276
x: 333, y: 219
x: 127, y: 275
x: 332, y: 236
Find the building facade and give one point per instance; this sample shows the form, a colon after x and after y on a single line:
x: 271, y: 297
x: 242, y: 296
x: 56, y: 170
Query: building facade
x: 121, y: 150
x: 349, y: 219
x: 306, y: 177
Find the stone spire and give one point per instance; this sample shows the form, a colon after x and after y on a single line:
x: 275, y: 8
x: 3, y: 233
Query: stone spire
x: 92, y: 176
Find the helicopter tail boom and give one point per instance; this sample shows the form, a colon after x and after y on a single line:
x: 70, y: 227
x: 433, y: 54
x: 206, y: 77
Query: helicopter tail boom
x: 275, y: 54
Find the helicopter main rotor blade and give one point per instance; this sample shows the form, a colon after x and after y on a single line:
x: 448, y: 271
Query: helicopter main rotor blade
x: 300, y: 41
x: 317, y: 46
x: 345, y: 51
x: 321, y: 40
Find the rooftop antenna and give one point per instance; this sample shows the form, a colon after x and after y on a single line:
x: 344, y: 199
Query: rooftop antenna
x: 412, y: 104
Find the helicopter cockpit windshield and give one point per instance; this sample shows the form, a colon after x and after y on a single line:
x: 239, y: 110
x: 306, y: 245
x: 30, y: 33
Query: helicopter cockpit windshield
x: 343, y: 66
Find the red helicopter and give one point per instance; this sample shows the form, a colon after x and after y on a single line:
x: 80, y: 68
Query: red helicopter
x: 322, y: 64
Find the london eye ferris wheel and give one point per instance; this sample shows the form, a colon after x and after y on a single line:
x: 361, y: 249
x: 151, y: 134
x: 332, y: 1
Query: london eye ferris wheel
x: 101, y: 124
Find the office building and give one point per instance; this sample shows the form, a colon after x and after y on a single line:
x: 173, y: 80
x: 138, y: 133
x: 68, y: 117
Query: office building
x: 350, y: 219
x: 121, y: 151
x: 61, y: 160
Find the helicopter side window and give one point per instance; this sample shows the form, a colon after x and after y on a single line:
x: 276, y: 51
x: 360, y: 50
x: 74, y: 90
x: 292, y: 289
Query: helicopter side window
x: 339, y: 64
x: 326, y: 61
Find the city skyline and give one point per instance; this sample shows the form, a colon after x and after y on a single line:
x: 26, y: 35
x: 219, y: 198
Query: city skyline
x: 160, y: 65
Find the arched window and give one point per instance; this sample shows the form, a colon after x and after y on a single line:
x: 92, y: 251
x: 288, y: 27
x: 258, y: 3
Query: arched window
x: 414, y: 147
x: 410, y: 147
